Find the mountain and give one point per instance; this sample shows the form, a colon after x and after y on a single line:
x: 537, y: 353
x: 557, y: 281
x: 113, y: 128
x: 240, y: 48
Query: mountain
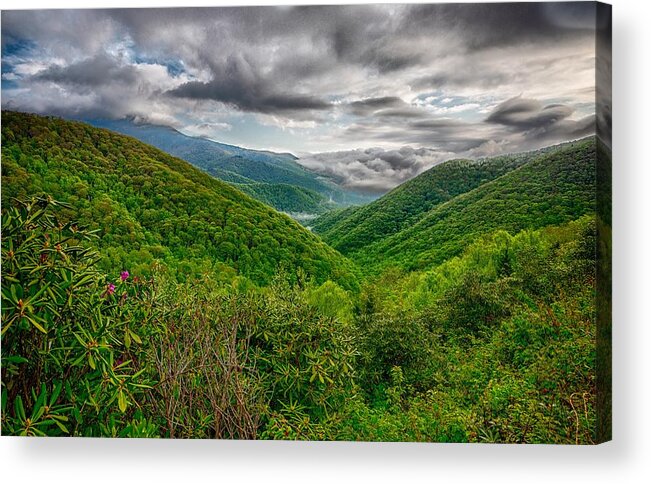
x: 435, y: 215
x: 353, y: 228
x: 240, y: 165
x: 148, y: 205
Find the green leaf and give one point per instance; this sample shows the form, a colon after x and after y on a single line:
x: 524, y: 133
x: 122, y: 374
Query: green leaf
x: 138, y: 373
x: 16, y: 359
x: 83, y: 281
x: 6, y: 326
x: 135, y: 337
x: 37, y: 411
x: 55, y: 393
x: 78, y: 360
x: 122, y: 402
x: 18, y: 406
x: 91, y: 361
x: 36, y: 325
x: 38, y: 294
x: 123, y: 364
x: 81, y: 341
x: 61, y: 426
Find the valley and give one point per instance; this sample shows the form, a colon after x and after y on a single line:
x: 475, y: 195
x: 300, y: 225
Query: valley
x: 153, y: 288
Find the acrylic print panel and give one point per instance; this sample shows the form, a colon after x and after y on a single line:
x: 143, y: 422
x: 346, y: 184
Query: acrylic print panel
x: 371, y: 222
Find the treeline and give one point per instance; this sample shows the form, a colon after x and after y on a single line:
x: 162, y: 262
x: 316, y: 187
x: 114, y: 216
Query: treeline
x: 286, y: 198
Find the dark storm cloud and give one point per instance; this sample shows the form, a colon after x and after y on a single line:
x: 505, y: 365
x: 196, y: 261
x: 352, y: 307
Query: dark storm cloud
x: 370, y: 105
x: 400, y: 113
x: 462, y: 78
x: 92, y: 72
x: 364, y: 35
x: 266, y: 58
x: 438, y: 124
x: 237, y: 83
x: 496, y: 24
x: 384, y: 107
x: 539, y: 123
x: 528, y: 113
x: 64, y: 33
x: 441, y: 134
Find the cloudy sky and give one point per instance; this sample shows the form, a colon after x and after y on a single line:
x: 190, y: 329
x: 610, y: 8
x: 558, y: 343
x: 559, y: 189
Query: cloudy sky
x: 371, y: 95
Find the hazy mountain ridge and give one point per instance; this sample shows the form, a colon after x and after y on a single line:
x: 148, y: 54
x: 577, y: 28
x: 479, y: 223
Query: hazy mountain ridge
x: 239, y: 165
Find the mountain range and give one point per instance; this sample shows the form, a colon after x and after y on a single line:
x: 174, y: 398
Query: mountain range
x: 273, y: 178
x: 142, y: 199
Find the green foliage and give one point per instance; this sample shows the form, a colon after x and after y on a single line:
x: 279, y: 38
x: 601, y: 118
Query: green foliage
x: 415, y: 231
x: 476, y: 323
x: 71, y: 342
x: 286, y: 198
x: 487, y: 350
x: 201, y: 355
x: 331, y: 301
x: 307, y: 356
x: 425, y: 356
x: 148, y: 206
x: 83, y: 355
x: 246, y: 363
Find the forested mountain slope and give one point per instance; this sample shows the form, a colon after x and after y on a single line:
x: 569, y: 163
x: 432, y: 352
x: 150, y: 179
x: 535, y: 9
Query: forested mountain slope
x: 407, y: 203
x: 487, y: 336
x: 352, y: 229
x: 239, y: 165
x: 553, y: 188
x: 149, y: 205
x: 296, y: 201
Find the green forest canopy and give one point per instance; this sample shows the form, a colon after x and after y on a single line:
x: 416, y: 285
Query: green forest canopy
x: 428, y: 220
x: 148, y: 205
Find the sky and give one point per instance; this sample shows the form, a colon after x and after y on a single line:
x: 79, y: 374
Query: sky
x: 370, y: 95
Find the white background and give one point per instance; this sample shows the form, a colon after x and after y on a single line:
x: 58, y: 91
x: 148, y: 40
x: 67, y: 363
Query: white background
x: 625, y: 460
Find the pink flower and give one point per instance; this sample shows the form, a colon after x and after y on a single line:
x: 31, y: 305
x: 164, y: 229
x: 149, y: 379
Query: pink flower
x: 124, y: 275
x: 110, y: 289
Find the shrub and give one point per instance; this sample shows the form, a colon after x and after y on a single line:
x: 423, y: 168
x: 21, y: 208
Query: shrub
x: 71, y: 360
